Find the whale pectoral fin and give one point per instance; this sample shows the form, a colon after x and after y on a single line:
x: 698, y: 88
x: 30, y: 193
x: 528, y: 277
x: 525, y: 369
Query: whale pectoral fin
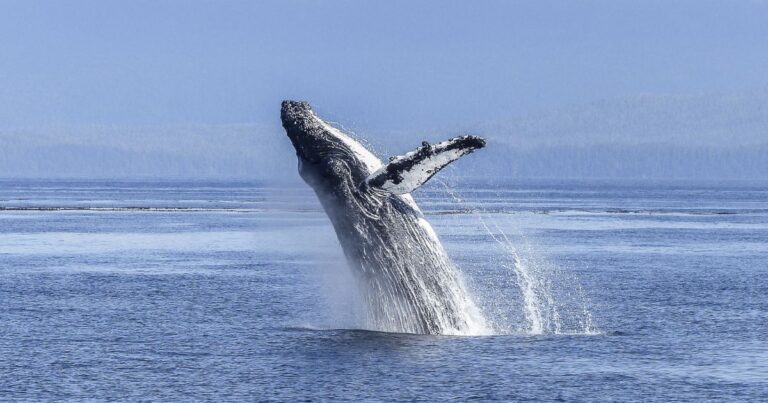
x: 407, y: 172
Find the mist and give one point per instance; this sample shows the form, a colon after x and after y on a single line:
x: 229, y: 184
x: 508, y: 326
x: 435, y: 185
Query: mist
x: 164, y: 90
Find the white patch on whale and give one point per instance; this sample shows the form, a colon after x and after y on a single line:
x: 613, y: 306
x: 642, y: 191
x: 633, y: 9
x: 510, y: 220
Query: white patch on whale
x: 371, y: 161
x: 407, y: 172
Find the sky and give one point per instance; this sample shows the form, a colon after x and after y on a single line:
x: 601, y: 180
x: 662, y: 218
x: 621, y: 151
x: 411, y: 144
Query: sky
x: 375, y: 66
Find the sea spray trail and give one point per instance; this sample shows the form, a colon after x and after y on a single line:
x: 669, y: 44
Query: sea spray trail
x: 553, y: 302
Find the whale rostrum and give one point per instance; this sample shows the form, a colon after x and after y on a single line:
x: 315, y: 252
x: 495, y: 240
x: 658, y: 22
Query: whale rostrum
x: 407, y: 281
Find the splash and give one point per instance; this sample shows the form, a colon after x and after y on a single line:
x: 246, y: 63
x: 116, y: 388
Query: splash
x: 420, y: 290
x: 528, y: 295
x: 409, y: 295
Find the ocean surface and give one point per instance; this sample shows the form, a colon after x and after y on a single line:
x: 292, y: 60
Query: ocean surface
x: 613, y: 291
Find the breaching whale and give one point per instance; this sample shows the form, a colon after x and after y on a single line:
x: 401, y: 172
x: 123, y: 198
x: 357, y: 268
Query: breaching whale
x: 408, y: 281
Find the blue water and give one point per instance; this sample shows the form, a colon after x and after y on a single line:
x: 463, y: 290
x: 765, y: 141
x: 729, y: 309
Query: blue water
x: 237, y: 291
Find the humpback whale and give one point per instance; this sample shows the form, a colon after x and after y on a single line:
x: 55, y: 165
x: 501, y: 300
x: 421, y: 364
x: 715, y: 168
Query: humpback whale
x: 408, y: 282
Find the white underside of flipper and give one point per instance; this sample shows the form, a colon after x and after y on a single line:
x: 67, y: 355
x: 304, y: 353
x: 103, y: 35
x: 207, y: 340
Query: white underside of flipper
x: 407, y: 172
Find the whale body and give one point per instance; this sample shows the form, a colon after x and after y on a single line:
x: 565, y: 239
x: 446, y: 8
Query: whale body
x: 408, y: 282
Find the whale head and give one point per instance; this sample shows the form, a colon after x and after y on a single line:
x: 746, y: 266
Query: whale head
x: 334, y: 162
x: 328, y: 158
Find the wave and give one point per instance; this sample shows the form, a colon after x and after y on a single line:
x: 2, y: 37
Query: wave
x: 600, y: 211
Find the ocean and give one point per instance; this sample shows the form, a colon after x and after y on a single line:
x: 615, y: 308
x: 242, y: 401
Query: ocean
x: 596, y: 290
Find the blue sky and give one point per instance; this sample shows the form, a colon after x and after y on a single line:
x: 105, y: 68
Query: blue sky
x: 393, y: 64
x: 192, y: 89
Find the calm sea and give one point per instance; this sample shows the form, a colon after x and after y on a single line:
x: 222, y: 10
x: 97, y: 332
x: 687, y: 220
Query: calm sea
x: 238, y: 291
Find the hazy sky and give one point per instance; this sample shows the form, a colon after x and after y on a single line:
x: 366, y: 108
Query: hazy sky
x: 384, y: 64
